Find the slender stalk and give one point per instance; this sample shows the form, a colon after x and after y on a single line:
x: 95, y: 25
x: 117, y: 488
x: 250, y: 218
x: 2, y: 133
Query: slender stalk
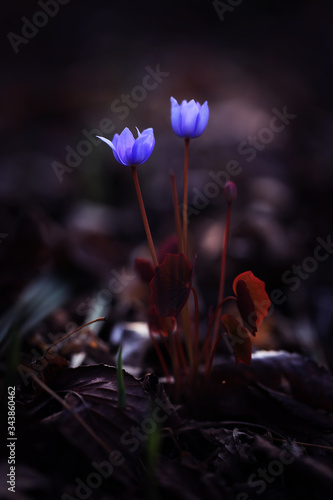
x: 210, y: 325
x: 301, y: 443
x: 177, y: 213
x: 174, y: 359
x: 210, y: 362
x: 185, y: 195
x: 160, y: 357
x: 144, y: 216
x: 222, y: 272
x: 186, y: 323
x: 181, y: 353
x: 165, y: 342
x: 71, y: 333
x: 196, y: 334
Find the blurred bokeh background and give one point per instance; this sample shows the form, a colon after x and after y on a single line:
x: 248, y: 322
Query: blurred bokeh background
x: 69, y: 211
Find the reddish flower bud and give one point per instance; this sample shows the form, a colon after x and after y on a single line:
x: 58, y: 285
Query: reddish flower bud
x: 230, y: 191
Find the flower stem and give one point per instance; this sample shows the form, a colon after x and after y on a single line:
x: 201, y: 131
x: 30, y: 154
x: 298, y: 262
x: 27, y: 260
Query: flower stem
x: 177, y: 213
x: 210, y: 363
x: 160, y: 357
x: 196, y: 335
x: 205, y: 348
x: 222, y: 273
x: 185, y: 314
x: 185, y: 195
x: 144, y: 216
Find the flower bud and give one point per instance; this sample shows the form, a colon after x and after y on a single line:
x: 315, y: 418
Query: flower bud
x: 189, y: 119
x: 230, y: 191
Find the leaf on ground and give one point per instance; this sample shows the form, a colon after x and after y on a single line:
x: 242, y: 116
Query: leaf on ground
x: 292, y: 377
x: 187, y: 482
x: 91, y: 392
x: 313, y: 477
x: 298, y: 409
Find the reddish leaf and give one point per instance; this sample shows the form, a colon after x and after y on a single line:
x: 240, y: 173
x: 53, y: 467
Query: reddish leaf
x: 252, y: 300
x: 239, y: 339
x: 159, y: 324
x: 145, y: 269
x: 169, y: 245
x: 171, y: 285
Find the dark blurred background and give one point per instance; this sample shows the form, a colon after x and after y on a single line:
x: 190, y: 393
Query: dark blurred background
x: 63, y: 81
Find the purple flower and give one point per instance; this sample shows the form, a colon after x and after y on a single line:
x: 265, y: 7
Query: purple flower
x: 130, y: 151
x: 188, y: 119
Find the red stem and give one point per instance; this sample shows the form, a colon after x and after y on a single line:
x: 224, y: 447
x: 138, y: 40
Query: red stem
x: 185, y: 193
x: 222, y: 272
x: 214, y: 347
x: 144, y: 216
x: 160, y: 357
x: 196, y: 334
x: 181, y: 353
x: 210, y: 326
x: 177, y: 213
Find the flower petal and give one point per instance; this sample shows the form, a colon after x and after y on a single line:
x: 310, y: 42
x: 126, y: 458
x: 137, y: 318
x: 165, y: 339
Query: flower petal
x: 124, y: 147
x: 143, y: 147
x: 107, y: 141
x: 202, y: 120
x: 113, y: 146
x: 189, y: 117
x: 176, y: 117
x: 115, y: 154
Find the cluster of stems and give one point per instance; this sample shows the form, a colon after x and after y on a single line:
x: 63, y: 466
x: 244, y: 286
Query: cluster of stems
x: 187, y: 358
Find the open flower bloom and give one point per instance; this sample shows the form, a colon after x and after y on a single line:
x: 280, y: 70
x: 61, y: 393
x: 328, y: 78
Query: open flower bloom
x: 130, y: 151
x: 189, y: 119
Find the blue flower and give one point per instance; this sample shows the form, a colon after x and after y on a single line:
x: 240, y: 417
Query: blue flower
x: 189, y: 119
x: 130, y: 151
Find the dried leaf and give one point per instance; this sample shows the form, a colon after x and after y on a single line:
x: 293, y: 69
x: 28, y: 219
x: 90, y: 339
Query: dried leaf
x: 252, y: 300
x: 91, y: 392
